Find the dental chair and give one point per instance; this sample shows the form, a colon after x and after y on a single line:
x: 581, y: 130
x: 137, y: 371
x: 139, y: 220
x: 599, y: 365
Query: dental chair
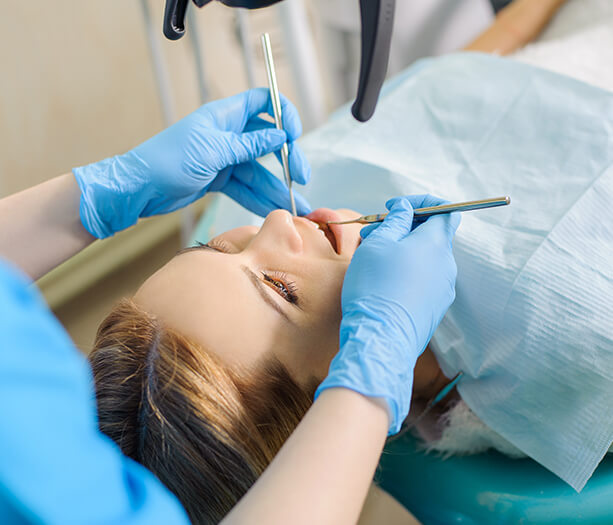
x: 489, y: 489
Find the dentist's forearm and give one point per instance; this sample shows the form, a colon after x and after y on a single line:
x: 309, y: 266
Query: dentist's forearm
x: 323, y: 472
x: 41, y: 226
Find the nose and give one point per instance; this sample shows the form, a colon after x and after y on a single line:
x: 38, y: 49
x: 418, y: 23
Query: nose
x: 279, y: 232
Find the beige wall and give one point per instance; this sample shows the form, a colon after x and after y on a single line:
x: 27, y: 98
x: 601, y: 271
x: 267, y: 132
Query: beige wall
x: 77, y: 81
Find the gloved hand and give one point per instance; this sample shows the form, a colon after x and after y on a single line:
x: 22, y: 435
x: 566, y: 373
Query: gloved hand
x: 397, y: 289
x: 212, y: 149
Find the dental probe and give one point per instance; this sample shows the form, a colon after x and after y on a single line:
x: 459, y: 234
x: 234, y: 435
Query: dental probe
x: 276, y: 107
x: 434, y: 210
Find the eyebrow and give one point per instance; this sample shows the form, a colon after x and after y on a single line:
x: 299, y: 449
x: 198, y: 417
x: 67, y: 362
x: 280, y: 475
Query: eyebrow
x: 264, y: 293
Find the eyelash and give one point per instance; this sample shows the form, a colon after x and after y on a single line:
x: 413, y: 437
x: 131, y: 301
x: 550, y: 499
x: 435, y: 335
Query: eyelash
x: 284, y: 287
x: 219, y: 245
x: 278, y: 280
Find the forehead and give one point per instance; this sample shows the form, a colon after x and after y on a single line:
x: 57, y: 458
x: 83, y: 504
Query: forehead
x: 208, y: 298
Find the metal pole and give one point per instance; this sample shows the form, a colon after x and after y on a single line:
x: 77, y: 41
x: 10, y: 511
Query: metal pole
x: 244, y: 37
x: 302, y: 57
x: 196, y: 43
x: 160, y: 71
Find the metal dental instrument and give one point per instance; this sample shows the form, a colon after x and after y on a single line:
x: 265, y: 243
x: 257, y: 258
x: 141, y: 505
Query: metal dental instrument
x: 434, y: 210
x: 276, y: 107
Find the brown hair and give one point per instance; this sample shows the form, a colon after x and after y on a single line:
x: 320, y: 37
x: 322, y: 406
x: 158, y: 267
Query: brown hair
x: 205, y: 431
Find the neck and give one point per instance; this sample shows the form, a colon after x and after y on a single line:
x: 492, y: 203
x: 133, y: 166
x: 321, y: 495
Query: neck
x: 428, y: 378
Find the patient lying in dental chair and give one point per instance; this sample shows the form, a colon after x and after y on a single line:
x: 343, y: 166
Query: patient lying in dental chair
x: 204, y: 374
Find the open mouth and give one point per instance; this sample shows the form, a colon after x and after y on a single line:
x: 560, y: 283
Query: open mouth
x: 329, y: 235
x: 332, y: 232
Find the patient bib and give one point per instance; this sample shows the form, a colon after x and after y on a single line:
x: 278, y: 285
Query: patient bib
x: 532, y: 323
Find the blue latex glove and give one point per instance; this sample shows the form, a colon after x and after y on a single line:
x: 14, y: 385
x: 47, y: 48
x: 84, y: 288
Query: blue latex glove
x: 397, y: 289
x: 212, y: 149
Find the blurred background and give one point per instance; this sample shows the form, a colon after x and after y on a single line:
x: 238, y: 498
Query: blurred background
x: 85, y: 80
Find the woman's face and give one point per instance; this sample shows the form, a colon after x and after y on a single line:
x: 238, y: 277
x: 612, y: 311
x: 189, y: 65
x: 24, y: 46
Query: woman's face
x: 254, y: 293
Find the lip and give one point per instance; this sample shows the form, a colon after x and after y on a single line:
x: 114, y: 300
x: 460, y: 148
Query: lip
x: 334, y: 232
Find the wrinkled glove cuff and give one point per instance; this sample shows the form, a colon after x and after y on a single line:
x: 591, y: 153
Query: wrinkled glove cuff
x: 368, y: 363
x: 113, y: 194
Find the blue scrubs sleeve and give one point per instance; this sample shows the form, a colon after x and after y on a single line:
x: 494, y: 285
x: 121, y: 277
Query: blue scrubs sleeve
x: 55, y: 466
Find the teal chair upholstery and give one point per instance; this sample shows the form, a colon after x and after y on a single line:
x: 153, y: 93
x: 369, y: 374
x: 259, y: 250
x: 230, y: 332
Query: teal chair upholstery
x: 490, y: 489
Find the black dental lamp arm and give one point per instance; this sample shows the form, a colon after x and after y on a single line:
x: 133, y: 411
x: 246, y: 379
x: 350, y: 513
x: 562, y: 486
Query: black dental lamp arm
x: 174, y: 17
x: 377, y: 22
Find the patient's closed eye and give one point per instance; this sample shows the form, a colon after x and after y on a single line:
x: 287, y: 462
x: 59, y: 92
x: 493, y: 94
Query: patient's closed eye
x: 278, y: 281
x: 221, y: 246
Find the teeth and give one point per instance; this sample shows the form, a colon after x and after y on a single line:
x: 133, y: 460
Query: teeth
x: 324, y: 229
x: 331, y: 239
